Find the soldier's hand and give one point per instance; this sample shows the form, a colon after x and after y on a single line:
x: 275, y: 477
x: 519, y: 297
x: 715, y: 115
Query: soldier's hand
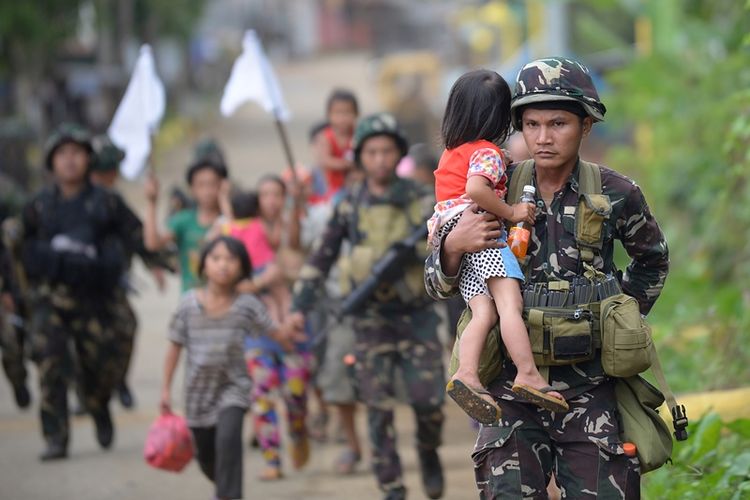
x: 524, y: 212
x: 474, y: 232
x: 151, y: 188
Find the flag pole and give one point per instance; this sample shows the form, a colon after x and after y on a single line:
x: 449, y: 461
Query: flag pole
x: 281, y: 129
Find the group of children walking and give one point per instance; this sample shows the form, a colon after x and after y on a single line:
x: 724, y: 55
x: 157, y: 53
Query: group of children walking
x: 233, y: 319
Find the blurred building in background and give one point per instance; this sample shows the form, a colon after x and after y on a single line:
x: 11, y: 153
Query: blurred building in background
x: 71, y: 61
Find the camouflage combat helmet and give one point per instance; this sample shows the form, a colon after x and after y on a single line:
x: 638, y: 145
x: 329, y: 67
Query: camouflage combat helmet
x: 207, y: 153
x: 64, y: 133
x: 378, y: 124
x: 107, y: 156
x: 555, y: 79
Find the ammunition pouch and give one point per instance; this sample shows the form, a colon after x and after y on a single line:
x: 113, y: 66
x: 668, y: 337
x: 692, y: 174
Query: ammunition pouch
x: 560, y: 336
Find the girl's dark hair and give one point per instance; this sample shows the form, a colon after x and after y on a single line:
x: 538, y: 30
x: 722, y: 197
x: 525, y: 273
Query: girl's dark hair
x: 478, y: 108
x: 235, y: 247
x: 342, y: 95
x: 205, y: 164
x: 244, y: 204
x: 273, y: 178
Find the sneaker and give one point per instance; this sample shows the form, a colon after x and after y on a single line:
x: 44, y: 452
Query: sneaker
x: 432, y: 473
x: 105, y: 431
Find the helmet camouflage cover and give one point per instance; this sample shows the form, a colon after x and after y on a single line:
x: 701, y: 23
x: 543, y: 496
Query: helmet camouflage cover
x: 555, y: 79
x: 378, y: 124
x: 107, y: 156
x: 64, y: 133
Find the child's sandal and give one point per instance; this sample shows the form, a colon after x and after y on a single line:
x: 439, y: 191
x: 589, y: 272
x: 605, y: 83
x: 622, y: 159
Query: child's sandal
x: 540, y: 397
x: 471, y: 401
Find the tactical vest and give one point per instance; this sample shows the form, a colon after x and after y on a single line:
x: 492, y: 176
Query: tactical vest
x: 601, y: 320
x: 372, y: 230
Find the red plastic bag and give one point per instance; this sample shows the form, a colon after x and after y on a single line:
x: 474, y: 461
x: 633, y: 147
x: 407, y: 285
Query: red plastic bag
x: 168, y: 444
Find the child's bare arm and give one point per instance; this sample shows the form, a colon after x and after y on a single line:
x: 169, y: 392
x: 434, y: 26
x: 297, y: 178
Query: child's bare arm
x: 481, y: 192
x: 170, y: 365
x: 325, y: 157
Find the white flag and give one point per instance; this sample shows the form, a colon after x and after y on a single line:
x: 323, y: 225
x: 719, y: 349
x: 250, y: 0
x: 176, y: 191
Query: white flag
x: 139, y: 114
x: 253, y: 79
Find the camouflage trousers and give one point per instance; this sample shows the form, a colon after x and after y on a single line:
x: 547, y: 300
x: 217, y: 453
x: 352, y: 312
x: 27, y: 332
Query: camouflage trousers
x: 407, y: 346
x: 12, y: 342
x: 516, y: 457
x: 125, y: 325
x: 88, y: 326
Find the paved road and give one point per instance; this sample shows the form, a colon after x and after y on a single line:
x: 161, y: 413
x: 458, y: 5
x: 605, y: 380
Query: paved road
x: 91, y: 474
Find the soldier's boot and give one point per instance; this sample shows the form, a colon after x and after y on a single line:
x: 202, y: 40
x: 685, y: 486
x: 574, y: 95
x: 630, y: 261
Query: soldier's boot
x: 395, y: 494
x: 432, y: 473
x: 22, y: 395
x: 126, y: 397
x: 105, y: 431
x: 57, y: 449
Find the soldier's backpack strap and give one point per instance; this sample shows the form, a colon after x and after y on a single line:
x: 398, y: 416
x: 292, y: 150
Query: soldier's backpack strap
x: 592, y: 210
x: 679, y: 416
x: 522, y: 176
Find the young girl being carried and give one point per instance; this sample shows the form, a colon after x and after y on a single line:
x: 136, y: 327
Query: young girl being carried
x: 211, y: 324
x: 241, y: 220
x: 472, y: 170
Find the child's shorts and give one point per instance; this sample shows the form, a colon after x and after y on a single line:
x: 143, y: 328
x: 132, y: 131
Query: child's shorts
x: 478, y: 267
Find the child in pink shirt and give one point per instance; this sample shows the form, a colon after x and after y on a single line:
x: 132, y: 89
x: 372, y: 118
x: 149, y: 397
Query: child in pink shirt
x: 268, y: 279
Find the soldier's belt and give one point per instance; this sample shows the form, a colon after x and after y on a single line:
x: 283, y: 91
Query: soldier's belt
x: 564, y: 331
x: 568, y: 294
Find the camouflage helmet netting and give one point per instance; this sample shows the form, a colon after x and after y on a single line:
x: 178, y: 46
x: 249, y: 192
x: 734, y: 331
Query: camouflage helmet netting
x: 107, y: 156
x: 378, y: 124
x: 66, y: 132
x: 555, y: 79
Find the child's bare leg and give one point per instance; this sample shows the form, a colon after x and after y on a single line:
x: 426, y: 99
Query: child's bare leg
x: 471, y: 343
x: 465, y: 387
x: 507, y: 295
x: 273, y: 308
x: 282, y: 296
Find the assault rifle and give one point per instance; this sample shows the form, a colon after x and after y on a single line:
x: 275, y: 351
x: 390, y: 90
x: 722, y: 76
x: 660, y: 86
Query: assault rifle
x: 387, y: 269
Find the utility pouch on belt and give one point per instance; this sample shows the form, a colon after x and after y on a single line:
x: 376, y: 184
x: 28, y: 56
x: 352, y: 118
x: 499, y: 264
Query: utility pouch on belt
x: 626, y: 337
x: 592, y: 211
x: 560, y: 336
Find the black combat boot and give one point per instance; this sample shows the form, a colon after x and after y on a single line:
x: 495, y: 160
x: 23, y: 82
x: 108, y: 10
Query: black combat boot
x: 126, y: 397
x: 432, y: 473
x: 396, y: 494
x: 105, y: 431
x: 57, y: 449
x: 22, y: 395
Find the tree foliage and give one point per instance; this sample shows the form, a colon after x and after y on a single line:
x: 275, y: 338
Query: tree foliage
x: 691, y: 100
x: 688, y: 98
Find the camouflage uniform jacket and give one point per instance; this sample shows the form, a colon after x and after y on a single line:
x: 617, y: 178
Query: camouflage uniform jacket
x: 554, y: 255
x: 343, y: 225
